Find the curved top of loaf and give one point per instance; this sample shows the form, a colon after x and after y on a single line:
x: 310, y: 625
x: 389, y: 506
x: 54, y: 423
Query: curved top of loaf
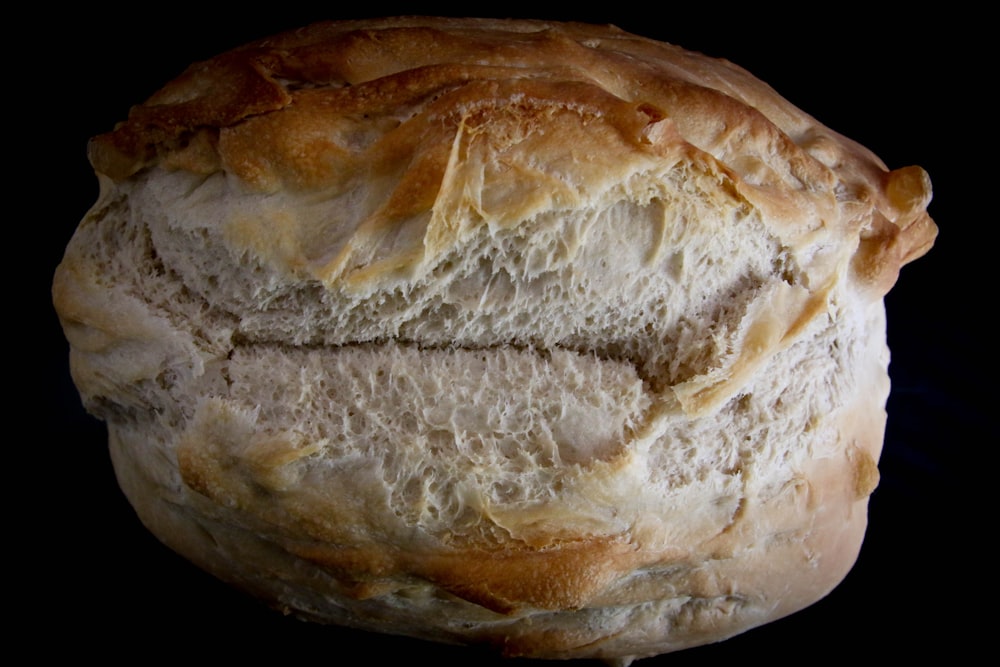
x: 465, y: 120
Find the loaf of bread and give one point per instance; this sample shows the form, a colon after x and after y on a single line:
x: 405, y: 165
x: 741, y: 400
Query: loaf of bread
x: 539, y: 335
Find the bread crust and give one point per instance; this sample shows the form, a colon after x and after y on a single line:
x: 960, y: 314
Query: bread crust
x: 537, y: 334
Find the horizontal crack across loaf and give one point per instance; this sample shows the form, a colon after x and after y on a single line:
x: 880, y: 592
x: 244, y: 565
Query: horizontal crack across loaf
x: 621, y: 271
x: 555, y: 343
x: 538, y: 334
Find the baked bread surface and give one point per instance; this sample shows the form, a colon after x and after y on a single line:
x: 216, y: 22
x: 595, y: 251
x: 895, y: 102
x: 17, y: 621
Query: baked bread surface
x: 536, y: 334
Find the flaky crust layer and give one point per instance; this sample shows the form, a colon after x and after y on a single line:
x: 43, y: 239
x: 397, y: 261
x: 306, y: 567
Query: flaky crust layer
x: 542, y: 335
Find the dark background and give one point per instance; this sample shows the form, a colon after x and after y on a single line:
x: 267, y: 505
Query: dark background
x: 899, y: 85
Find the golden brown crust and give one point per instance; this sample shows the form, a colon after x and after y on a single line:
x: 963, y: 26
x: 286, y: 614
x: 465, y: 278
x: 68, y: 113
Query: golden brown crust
x: 681, y: 271
x: 310, y: 108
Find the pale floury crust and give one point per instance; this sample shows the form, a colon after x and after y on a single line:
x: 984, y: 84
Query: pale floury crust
x: 541, y: 335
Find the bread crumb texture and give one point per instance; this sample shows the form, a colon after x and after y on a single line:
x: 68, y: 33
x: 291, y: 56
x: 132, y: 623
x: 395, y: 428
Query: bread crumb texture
x: 542, y: 335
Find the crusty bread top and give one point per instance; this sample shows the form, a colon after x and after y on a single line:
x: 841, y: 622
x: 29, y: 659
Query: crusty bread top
x: 580, y: 329
x: 333, y: 104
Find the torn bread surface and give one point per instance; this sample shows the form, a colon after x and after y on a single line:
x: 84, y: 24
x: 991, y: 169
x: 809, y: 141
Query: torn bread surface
x: 514, y: 351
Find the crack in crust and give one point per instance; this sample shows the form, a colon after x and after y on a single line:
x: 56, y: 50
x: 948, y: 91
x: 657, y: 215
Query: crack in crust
x: 509, y: 331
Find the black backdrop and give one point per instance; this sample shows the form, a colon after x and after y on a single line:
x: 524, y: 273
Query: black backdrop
x: 99, y: 582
